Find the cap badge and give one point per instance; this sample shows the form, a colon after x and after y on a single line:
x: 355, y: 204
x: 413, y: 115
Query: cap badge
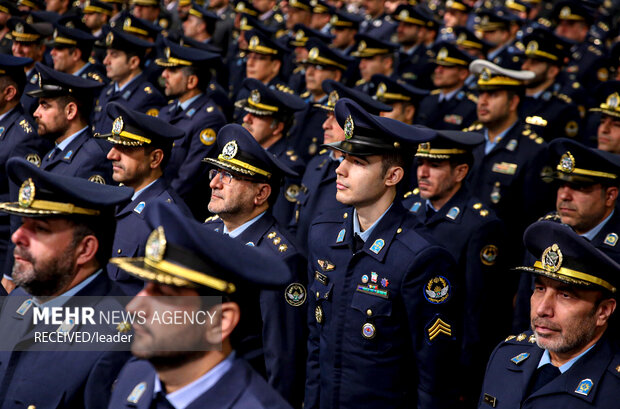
x: 70, y: 24
x: 55, y: 35
x: 404, y: 14
x: 461, y: 38
x: 442, y: 54
x: 156, y: 245
x: 361, y: 46
x: 299, y: 35
x: 381, y: 90
x: 532, y: 47
x: 332, y: 98
x: 244, y: 21
x: 348, y: 127
x: 313, y: 54
x: 255, y: 96
x: 485, y: 75
x: 552, y: 258
x: 334, y: 19
x: 109, y: 39
x: 254, y: 42
x: 565, y: 12
x: 117, y: 125
x: 19, y: 28
x: 424, y: 147
x: 484, y: 21
x: 613, y: 100
x: 567, y: 163
x: 230, y: 150
x: 127, y: 23
x: 167, y: 52
x: 26, y: 193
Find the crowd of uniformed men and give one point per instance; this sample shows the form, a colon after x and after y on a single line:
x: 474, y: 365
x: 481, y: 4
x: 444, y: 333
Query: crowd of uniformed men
x: 380, y: 191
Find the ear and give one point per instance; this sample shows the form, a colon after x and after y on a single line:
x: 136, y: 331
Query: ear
x: 10, y: 92
x: 553, y: 71
x: 337, y: 75
x: 604, y: 311
x: 460, y: 171
x: 225, y: 318
x: 71, y: 111
x: 409, y: 113
x: 514, y: 102
x: 611, y: 194
x: 76, y: 54
x: 389, y: 62
x: 263, y: 194
x: 86, y: 251
x: 275, y: 66
x: 192, y: 82
x: 279, y: 129
x: 463, y: 74
x: 155, y: 158
x: 393, y: 175
x: 134, y: 62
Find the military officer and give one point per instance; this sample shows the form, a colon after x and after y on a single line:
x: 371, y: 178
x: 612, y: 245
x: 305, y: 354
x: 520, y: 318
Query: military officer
x: 17, y: 133
x: 297, y: 12
x: 446, y: 208
x: 7, y: 9
x: 318, y: 185
x: 28, y: 43
x: 451, y: 106
x: 321, y: 15
x: 456, y: 14
x: 382, y: 310
x: 608, y: 131
x: 60, y: 249
x: 569, y: 358
x: 297, y: 78
x: 223, y: 33
x: 124, y: 62
x: 244, y: 181
x: 466, y: 40
x: 71, y: 51
x: 269, y: 116
x: 344, y: 26
x: 499, y: 27
x: 376, y: 19
x: 151, y: 11
x: 187, y: 79
x: 141, y: 146
x: 200, y: 23
x: 202, y: 271
x: 375, y: 56
x: 62, y: 116
x: 402, y: 97
x: 97, y: 14
x: 270, y: 14
x: 416, y: 33
x: 548, y: 112
x: 507, y: 167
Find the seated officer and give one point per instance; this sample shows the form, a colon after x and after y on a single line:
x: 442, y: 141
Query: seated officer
x: 547, y: 112
x: 7, y: 9
x: 402, y: 97
x: 199, y: 270
x: 448, y: 211
x: 375, y: 57
x: 450, y: 106
x: 344, y: 26
x: 71, y: 51
x: 28, y: 43
x: 141, y: 148
x: 385, y: 314
x: 263, y: 63
x: 187, y: 76
x: 62, y: 116
x: 298, y: 42
x: 608, y: 131
x: 124, y: 62
x: 499, y: 28
x: 507, y: 167
x: 323, y: 63
x: 17, y: 133
x: 587, y: 182
x: 97, y: 13
x: 244, y: 182
x: 61, y: 248
x: 466, y: 40
x: 318, y: 184
x: 568, y: 358
x: 200, y: 23
x: 268, y: 118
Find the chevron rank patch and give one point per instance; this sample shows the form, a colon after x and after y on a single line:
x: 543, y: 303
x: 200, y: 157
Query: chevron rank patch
x: 438, y: 328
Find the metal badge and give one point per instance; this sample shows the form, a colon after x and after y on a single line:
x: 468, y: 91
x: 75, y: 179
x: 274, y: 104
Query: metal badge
x: 255, y: 96
x: 349, y: 126
x: 118, y: 125
x: 313, y: 54
x: 611, y: 239
x: 552, y: 258
x: 137, y: 393
x: 156, y: 245
x: 377, y: 246
x: 230, y: 150
x: 138, y: 209
x: 340, y: 237
x: 520, y: 358
x: 26, y: 193
x: 437, y: 290
x: 295, y: 294
x: 567, y: 163
x: 318, y: 314
x: 453, y: 213
x: 368, y: 330
x: 488, y: 254
x: 584, y: 387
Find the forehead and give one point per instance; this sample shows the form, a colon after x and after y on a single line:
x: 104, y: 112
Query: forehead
x: 579, y: 292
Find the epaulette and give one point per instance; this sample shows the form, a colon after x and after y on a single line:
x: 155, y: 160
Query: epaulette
x: 478, y: 208
x: 277, y: 241
x: 521, y: 339
x: 305, y: 94
x: 472, y: 97
x: 553, y: 216
x: 603, y: 26
x: 292, y: 155
x: 95, y: 76
x: 284, y: 88
x: 536, y: 120
x: 435, y: 91
x: 281, y: 33
x: 148, y: 90
x: 8, y: 36
x: 595, y: 50
x: 614, y: 366
x: 563, y: 97
x: 25, y: 126
x: 298, y: 69
x: 322, y: 151
x: 476, y: 126
x: 360, y: 82
x: 278, y: 17
x: 545, y: 22
x: 212, y: 218
x: 411, y: 192
x: 92, y: 60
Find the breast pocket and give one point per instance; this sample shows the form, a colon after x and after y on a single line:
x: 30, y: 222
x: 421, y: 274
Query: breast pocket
x: 371, y: 322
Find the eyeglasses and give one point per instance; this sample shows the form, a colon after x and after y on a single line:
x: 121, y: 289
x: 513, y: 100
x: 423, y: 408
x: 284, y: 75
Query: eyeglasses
x: 226, y: 177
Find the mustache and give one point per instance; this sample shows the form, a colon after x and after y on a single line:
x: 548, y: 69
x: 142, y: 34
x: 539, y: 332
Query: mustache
x: 23, y: 253
x: 566, y: 205
x: 542, y: 322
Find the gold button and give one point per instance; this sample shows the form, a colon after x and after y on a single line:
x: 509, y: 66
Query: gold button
x: 318, y: 295
x: 369, y: 312
x: 400, y: 230
x: 119, y: 251
x: 345, y: 215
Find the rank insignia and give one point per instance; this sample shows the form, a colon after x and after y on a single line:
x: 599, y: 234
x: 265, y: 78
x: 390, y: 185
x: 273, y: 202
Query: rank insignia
x: 295, y: 294
x: 415, y: 207
x: 282, y: 248
x: 23, y: 309
x: 384, y: 282
x: 97, y: 179
x: 368, y: 331
x: 123, y: 327
x: 191, y: 112
x: 521, y: 337
x: 137, y: 393
x: 490, y: 400
x: 452, y: 213
x: 520, y: 358
x: 372, y: 289
x: 584, y: 387
x: 250, y: 243
x: 377, y: 246
x: 374, y: 277
x: 138, y: 209
x: 510, y: 337
x: 488, y: 254
x: 611, y: 239
x: 437, y: 290
x: 2, y: 129
x: 321, y: 278
x: 326, y: 265
x: 272, y: 235
x: 365, y: 278
x: 126, y: 95
x: 318, y: 314
x: 340, y: 237
x: 532, y: 339
x: 66, y: 326
x: 68, y: 155
x: 438, y: 328
x: 512, y: 145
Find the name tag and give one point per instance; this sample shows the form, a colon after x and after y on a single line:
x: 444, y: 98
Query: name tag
x: 505, y: 168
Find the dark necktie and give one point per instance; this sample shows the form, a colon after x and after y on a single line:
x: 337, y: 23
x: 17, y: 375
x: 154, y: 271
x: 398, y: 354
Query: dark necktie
x: 358, y: 243
x: 543, y: 376
x: 160, y: 402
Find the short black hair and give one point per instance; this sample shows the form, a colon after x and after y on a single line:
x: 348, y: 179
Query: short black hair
x: 203, y: 73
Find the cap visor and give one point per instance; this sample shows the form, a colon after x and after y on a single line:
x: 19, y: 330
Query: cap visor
x: 16, y: 209
x: 138, y: 268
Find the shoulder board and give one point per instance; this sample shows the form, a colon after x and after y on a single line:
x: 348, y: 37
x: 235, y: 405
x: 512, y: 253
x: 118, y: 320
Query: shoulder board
x: 435, y: 91
x: 305, y: 94
x: 26, y: 126
x: 411, y: 192
x: 95, y: 76
x: 277, y: 241
x: 278, y: 17
x: 92, y: 60
x: 474, y: 127
x: 551, y: 216
x: 536, y: 120
x: 614, y: 366
x: 322, y: 151
x: 595, y: 51
x: 212, y: 218
x: 360, y: 81
x: 148, y: 90
x: 297, y: 70
x: 564, y: 97
x: 522, y: 338
x: 472, y: 97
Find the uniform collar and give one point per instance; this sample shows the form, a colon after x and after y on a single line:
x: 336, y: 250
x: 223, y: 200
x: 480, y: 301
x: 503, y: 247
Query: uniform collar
x: 60, y: 300
x: 81, y: 70
x: 184, y: 105
x: 131, y: 81
x: 357, y: 228
x: 235, y: 233
x: 489, y: 146
x: 139, y: 192
x: 592, y: 233
x: 7, y: 113
x: 546, y: 359
x: 63, y: 145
